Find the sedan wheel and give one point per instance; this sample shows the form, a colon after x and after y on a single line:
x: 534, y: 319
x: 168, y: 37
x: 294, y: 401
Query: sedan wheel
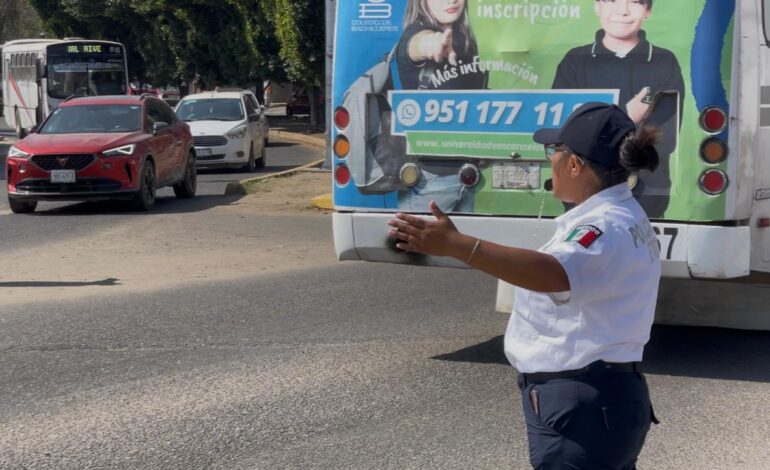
x: 251, y: 166
x: 262, y: 158
x: 144, y: 199
x: 185, y: 189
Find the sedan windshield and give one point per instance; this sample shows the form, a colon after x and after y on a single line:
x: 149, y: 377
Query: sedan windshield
x: 93, y: 118
x: 215, y: 109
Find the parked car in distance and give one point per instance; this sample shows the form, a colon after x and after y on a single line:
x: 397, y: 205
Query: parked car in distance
x: 229, y: 128
x: 299, y: 103
x: 103, y: 147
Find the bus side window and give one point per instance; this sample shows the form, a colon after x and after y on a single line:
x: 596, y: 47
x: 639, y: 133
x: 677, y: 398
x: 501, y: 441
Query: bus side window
x: 766, y: 20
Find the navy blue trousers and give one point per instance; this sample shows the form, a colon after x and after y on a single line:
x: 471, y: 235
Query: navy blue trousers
x: 594, y: 421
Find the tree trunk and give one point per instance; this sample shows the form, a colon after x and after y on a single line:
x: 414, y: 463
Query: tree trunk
x: 315, y: 109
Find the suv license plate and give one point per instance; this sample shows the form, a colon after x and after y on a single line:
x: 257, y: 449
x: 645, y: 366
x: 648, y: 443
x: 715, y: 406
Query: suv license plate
x: 62, y: 176
x: 516, y: 175
x: 203, y: 152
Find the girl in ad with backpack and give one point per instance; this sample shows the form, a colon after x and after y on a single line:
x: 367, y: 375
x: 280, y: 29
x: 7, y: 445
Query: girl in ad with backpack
x: 436, y: 42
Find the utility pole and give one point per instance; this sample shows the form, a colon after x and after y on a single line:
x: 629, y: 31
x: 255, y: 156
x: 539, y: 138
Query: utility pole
x: 330, y: 15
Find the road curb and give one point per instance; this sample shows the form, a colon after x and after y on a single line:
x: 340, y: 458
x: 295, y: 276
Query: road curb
x: 324, y: 201
x: 315, y: 141
x: 244, y: 187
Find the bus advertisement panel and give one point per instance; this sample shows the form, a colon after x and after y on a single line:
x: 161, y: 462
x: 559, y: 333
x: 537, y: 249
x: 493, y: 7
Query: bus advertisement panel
x: 439, y: 100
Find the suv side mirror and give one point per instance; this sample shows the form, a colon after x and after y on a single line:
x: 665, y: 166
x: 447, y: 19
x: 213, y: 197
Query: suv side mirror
x: 159, y: 127
x: 253, y: 117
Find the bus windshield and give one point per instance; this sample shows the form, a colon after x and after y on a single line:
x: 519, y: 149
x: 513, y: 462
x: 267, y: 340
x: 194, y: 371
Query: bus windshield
x: 96, y: 118
x: 77, y: 70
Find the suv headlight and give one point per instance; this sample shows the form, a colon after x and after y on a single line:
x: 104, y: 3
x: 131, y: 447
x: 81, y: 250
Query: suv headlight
x: 118, y: 151
x: 16, y: 152
x: 237, y: 133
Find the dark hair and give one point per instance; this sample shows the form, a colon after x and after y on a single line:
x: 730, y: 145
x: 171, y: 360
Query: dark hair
x: 637, y: 152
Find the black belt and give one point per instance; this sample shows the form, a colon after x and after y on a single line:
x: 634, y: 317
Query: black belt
x: 595, y: 367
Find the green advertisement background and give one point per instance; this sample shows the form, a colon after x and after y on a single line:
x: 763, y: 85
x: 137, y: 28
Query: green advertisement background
x: 539, y: 48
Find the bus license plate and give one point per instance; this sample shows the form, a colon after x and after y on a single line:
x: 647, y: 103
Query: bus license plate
x: 62, y: 176
x: 516, y: 175
x: 203, y: 152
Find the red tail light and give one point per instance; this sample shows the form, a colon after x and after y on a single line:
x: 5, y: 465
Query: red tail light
x: 469, y: 175
x: 713, y: 181
x: 341, y: 117
x: 342, y: 175
x: 713, y: 119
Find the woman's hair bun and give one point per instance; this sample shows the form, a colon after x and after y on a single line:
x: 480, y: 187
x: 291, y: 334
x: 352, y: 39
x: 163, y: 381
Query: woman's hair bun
x: 637, y: 151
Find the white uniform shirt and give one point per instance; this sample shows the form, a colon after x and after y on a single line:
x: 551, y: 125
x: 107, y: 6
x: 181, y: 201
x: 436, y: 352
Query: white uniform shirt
x: 611, y: 256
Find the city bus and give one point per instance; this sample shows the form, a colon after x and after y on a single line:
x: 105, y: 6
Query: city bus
x: 406, y: 128
x: 39, y: 73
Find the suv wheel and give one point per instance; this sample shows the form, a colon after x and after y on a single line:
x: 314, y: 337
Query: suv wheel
x: 185, y: 189
x: 144, y: 199
x: 22, y: 207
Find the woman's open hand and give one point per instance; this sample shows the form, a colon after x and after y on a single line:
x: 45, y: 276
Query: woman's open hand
x: 430, y: 237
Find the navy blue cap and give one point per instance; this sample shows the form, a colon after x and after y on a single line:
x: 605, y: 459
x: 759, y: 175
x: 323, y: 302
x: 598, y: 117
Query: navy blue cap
x: 594, y: 131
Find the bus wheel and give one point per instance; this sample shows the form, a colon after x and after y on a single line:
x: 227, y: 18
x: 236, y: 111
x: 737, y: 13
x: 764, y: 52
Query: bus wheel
x: 22, y: 207
x: 20, y: 132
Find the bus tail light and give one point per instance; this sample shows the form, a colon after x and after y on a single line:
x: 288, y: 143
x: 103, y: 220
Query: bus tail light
x: 713, y: 119
x: 713, y: 150
x: 763, y: 222
x: 713, y: 181
x: 341, y: 146
x: 469, y: 175
x: 341, y: 117
x: 409, y: 174
x: 342, y: 175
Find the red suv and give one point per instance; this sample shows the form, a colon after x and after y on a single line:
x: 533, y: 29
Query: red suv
x: 103, y: 147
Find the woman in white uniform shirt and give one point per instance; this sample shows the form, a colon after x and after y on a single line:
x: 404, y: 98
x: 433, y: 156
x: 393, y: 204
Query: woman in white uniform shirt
x: 585, y: 301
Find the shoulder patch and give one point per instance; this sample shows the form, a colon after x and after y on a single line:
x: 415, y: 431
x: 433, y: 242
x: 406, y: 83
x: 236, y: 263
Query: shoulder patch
x: 585, y: 235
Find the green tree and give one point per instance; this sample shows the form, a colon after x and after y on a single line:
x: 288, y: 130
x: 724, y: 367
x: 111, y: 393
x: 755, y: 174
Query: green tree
x: 299, y: 29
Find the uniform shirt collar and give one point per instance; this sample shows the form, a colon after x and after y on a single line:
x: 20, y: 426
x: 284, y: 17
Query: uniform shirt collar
x: 612, y: 195
x: 642, y: 51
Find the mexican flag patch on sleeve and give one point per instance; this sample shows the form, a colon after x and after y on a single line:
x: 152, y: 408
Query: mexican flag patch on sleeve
x: 584, y: 234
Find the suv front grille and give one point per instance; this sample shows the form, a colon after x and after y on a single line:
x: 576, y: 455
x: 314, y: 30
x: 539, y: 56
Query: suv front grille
x: 62, y: 162
x: 209, y: 140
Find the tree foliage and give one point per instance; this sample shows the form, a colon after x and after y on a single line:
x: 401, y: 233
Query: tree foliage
x: 216, y: 42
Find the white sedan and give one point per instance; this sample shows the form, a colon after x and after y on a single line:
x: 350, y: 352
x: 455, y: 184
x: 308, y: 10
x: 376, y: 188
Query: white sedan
x: 229, y: 128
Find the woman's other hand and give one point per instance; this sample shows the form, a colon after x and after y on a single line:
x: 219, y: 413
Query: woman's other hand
x: 437, y: 237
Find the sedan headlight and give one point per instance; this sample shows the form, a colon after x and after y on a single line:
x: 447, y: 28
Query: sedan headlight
x: 237, y: 133
x: 118, y: 151
x: 16, y: 152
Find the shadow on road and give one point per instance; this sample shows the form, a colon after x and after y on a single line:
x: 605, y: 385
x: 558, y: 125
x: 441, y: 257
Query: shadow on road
x: 282, y: 143
x: 163, y: 205
x: 110, y: 281
x: 714, y: 353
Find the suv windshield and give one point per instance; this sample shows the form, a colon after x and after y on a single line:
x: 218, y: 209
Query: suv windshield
x: 93, y: 118
x: 213, y: 109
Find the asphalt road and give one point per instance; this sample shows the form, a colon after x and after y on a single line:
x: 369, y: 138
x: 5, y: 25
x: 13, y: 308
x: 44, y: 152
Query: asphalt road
x: 281, y: 155
x: 384, y: 367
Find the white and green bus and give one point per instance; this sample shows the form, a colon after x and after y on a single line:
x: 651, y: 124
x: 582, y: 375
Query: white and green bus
x: 457, y: 127
x: 38, y: 74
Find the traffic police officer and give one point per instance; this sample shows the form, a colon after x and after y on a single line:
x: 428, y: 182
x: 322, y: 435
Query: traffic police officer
x: 584, y: 302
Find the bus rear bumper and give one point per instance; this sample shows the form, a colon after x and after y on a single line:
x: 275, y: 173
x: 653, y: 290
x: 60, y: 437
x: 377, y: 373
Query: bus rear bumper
x: 688, y: 251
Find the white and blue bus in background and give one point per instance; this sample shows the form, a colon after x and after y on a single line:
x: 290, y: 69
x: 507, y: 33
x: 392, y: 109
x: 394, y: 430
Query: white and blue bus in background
x: 464, y: 119
x: 38, y: 74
